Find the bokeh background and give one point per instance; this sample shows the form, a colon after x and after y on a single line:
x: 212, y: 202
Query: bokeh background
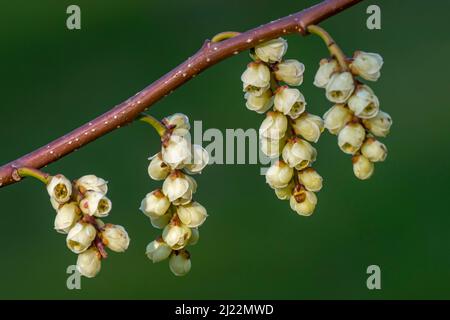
x: 252, y: 245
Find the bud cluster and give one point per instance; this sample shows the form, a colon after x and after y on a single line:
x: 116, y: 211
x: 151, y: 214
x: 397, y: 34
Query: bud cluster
x: 172, y: 207
x: 356, y: 117
x: 287, y: 129
x: 79, y: 206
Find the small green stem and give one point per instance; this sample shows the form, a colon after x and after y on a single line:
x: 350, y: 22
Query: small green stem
x: 334, y: 49
x: 224, y: 36
x: 155, y: 123
x: 34, y: 173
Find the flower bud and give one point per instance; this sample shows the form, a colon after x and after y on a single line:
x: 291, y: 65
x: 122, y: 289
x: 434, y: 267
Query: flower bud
x: 60, y: 188
x: 279, y: 175
x: 308, y: 126
x: 195, y: 236
x: 303, y: 202
x: 340, y: 87
x: 198, y: 161
x: 286, y: 192
x: 158, y: 250
x: 351, y: 137
x: 367, y: 65
x: 298, y: 153
x: 374, y: 150
x: 80, y: 237
x: 336, y: 118
x: 179, y: 124
x: 290, y: 71
x: 115, y: 237
x: 289, y: 102
x: 155, y: 204
x: 325, y: 71
x: 192, y: 215
x: 176, y: 234
x: 261, y: 103
x: 272, y: 147
x: 95, y: 204
x: 92, y: 183
x: 272, y: 51
x: 55, y: 204
x: 256, y: 78
x: 379, y: 125
x: 364, y: 103
x: 362, y: 167
x: 158, y: 169
x: 66, y: 217
x: 89, y: 262
x: 180, y: 263
x: 310, y: 179
x: 274, y: 126
x: 159, y: 222
x: 176, y: 151
x: 175, y: 186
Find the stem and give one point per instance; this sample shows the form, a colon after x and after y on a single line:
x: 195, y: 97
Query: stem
x: 334, y: 49
x: 155, y: 123
x: 34, y: 173
x: 224, y: 36
x: 208, y: 55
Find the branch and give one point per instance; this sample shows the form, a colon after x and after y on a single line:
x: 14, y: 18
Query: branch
x: 208, y: 55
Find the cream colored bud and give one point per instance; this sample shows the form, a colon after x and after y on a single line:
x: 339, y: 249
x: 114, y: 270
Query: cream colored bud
x: 308, y: 126
x: 158, y: 250
x: 155, y: 204
x: 176, y: 151
x: 303, y: 202
x: 160, y: 222
x: 364, y: 103
x: 55, y: 204
x: 272, y: 147
x: 187, y: 196
x: 158, y: 169
x: 180, y: 263
x: 290, y: 102
x: 310, y: 179
x: 374, y: 150
x: 336, y: 118
x: 115, y: 237
x: 89, y: 262
x: 192, y: 215
x: 256, y: 78
x: 290, y: 71
x: 198, y: 161
x: 325, y: 71
x: 261, y: 103
x: 367, y: 65
x: 286, y: 192
x: 175, y: 186
x: 80, y: 237
x: 92, y: 183
x: 195, y: 236
x: 379, y: 125
x: 272, y: 51
x: 298, y: 153
x: 95, y: 204
x: 67, y: 216
x: 279, y: 175
x: 340, y: 87
x: 60, y: 188
x: 351, y: 137
x: 179, y: 123
x: 176, y: 234
x: 274, y: 126
x: 362, y: 167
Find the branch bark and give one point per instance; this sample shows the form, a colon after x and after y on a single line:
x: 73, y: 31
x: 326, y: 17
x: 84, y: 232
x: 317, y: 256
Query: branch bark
x: 208, y: 55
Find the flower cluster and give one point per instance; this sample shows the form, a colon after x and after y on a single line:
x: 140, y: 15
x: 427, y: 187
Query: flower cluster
x: 356, y: 117
x: 79, y: 205
x: 172, y: 208
x: 288, y: 129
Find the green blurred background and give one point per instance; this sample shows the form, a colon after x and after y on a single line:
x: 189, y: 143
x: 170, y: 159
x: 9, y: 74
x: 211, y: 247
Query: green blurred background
x: 252, y: 245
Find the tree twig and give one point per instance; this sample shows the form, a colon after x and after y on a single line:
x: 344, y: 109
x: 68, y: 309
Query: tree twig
x: 208, y: 55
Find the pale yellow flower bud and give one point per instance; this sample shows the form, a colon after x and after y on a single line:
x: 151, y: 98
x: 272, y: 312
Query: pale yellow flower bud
x: 340, y: 87
x: 66, y: 217
x: 286, y: 192
x: 198, y: 161
x: 55, y: 204
x: 303, y: 202
x: 187, y: 196
x: 298, y: 153
x: 308, y: 126
x: 158, y: 169
x: 89, y: 262
x: 256, y: 78
x: 175, y: 151
x: 60, y: 188
x: 92, y: 183
x: 272, y: 51
x: 274, y: 126
x: 95, y: 204
x: 310, y: 179
x: 180, y: 263
x: 261, y: 103
x: 289, y: 102
x: 364, y: 103
x: 272, y: 147
x: 325, y: 71
x: 158, y: 250
x: 176, y: 234
x: 362, y: 167
x: 115, y: 237
x: 351, y: 137
x: 379, y: 125
x: 155, y: 204
x: 367, y: 65
x: 195, y: 236
x: 80, y: 237
x: 159, y: 222
x: 374, y: 150
x: 179, y: 123
x: 192, y: 215
x: 279, y: 175
x: 176, y: 186
x: 290, y: 71
x: 336, y: 118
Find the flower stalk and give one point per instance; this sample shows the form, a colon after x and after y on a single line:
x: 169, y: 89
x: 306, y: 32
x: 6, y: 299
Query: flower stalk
x: 33, y: 173
x: 155, y: 123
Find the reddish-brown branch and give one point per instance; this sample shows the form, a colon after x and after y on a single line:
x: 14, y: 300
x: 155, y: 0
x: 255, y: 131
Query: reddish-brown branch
x: 209, y: 54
